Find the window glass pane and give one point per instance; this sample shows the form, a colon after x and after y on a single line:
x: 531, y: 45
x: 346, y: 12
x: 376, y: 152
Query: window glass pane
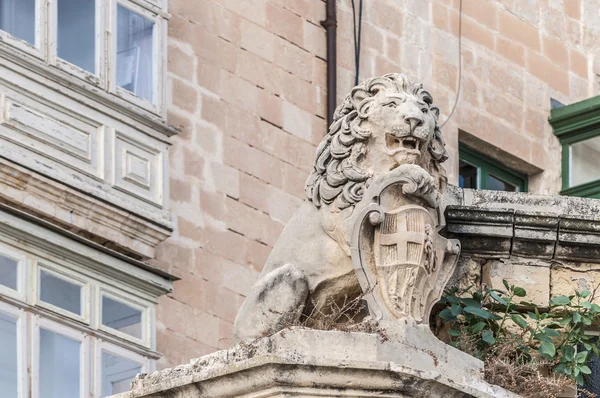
x: 59, y: 292
x: 59, y: 366
x: 467, y: 175
x: 9, y: 373
x: 17, y: 17
x: 77, y: 32
x: 585, y: 161
x: 135, y: 53
x: 117, y: 374
x: 496, y: 184
x: 121, y: 317
x: 9, y: 268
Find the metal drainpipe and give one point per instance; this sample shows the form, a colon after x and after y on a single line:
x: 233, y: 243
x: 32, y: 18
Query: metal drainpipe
x: 330, y: 25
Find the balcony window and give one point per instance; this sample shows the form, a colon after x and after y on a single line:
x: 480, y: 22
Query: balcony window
x: 60, y: 292
x: 9, y: 364
x: 135, y: 53
x: 76, y: 33
x: 54, y: 349
x: 60, y: 359
x: 477, y: 171
x: 577, y: 127
x: 71, y: 35
x: 17, y: 18
x: 117, y: 373
x: 8, y: 272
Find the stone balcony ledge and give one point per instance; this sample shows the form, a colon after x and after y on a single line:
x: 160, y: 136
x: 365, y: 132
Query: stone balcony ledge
x: 300, y: 362
x: 503, y: 224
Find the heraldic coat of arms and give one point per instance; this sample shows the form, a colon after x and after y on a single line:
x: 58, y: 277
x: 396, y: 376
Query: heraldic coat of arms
x: 400, y: 259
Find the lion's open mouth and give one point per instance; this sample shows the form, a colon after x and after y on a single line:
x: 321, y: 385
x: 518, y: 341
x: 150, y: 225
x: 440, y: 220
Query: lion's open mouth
x: 409, y: 144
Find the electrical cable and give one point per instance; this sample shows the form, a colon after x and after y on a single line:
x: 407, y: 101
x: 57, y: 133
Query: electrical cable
x: 459, y: 64
x: 357, y: 38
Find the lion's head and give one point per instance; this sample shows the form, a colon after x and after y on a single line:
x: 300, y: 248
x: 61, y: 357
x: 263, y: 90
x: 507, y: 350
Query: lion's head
x: 385, y: 122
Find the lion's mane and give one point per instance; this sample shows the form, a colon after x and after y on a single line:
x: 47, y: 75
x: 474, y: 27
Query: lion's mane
x: 337, y: 177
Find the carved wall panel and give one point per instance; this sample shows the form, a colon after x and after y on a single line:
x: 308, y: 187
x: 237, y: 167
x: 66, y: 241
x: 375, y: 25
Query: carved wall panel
x: 83, y: 148
x: 138, y: 168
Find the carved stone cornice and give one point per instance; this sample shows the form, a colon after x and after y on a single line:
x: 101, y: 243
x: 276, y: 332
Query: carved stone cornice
x: 526, y: 233
x: 79, y: 213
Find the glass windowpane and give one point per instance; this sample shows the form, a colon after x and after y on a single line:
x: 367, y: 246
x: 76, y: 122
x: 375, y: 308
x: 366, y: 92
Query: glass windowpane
x: 121, y: 317
x: 467, y: 175
x: 585, y: 161
x: 59, y: 292
x: 77, y: 33
x: 9, y: 270
x: 59, y: 366
x: 496, y: 184
x: 135, y: 53
x: 17, y: 17
x: 117, y: 374
x: 9, y: 371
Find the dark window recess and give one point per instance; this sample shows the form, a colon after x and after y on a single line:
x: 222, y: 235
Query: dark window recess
x: 476, y: 171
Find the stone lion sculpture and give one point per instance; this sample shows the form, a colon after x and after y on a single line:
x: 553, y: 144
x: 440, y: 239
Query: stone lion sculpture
x: 386, y: 128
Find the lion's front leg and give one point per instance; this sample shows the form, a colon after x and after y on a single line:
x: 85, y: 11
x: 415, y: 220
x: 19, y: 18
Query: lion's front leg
x: 276, y: 302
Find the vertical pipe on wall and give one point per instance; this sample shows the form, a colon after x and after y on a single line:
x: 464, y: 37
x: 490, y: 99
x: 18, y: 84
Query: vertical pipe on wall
x: 330, y: 25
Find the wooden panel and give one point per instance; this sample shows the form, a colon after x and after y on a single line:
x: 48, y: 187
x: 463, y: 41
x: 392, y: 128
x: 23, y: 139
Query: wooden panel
x: 73, y: 142
x: 139, y: 167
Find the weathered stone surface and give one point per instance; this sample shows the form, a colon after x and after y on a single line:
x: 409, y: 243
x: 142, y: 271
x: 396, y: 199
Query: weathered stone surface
x: 578, y: 239
x: 467, y: 273
x: 283, y: 292
x: 486, y: 232
x: 502, y: 224
x: 566, y: 278
x: 534, y: 277
x: 301, y: 362
x: 534, y: 234
x: 371, y: 219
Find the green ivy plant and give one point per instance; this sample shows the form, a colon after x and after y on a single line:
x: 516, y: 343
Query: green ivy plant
x: 554, y: 333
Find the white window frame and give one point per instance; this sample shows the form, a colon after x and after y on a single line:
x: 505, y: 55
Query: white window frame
x: 21, y: 292
x: 67, y: 277
x: 97, y: 78
x: 84, y: 354
x: 146, y: 364
x: 46, y: 47
x: 146, y: 322
x: 22, y: 357
x: 159, y: 54
x: 38, y: 48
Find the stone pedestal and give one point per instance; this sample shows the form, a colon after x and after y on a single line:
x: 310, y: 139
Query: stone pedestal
x: 310, y: 363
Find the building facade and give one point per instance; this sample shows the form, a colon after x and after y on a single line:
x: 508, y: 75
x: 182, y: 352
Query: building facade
x: 247, y: 84
x: 152, y: 152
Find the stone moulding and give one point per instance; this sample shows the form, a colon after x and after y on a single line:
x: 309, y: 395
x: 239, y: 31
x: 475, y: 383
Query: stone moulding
x: 77, y: 212
x: 502, y: 233
x: 302, y: 362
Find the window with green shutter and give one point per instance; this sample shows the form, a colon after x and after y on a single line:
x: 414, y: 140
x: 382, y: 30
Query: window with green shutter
x: 577, y: 126
x: 477, y: 171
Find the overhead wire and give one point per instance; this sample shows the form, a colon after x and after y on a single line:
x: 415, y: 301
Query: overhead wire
x: 459, y: 64
x: 357, y: 38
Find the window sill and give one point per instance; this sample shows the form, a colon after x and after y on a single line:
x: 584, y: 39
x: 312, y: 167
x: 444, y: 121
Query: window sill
x: 587, y: 190
x: 152, y: 123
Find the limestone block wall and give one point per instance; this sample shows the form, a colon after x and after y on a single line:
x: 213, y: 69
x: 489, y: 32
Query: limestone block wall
x: 247, y: 86
x: 516, y: 55
x: 546, y: 244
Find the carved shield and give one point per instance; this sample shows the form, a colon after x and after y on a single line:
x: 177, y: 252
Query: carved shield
x: 407, y: 253
x: 401, y: 261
